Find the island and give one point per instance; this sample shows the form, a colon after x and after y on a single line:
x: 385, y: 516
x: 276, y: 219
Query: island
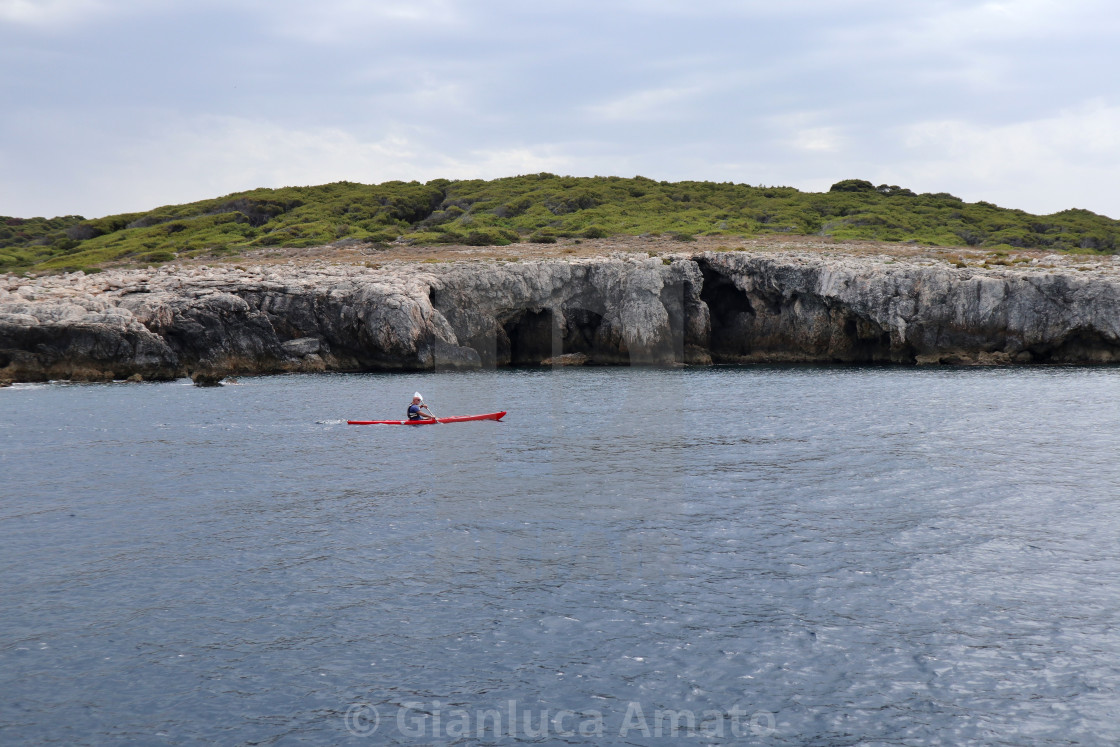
x: 621, y: 300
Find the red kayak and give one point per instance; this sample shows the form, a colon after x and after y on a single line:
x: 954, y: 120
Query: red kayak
x: 452, y: 419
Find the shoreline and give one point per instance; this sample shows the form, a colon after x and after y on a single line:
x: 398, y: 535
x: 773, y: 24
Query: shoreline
x: 627, y: 300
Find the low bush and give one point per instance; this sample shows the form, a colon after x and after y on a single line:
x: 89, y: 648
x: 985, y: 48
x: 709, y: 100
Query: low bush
x: 157, y: 257
x: 542, y: 208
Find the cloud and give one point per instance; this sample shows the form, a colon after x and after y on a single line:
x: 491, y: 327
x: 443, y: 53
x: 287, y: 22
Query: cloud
x: 969, y: 23
x: 1070, y: 158
x: 178, y: 161
x: 958, y: 48
x: 643, y: 106
x: 47, y: 13
x: 817, y: 140
x: 724, y: 9
x: 342, y: 21
x: 234, y: 154
x: 114, y: 105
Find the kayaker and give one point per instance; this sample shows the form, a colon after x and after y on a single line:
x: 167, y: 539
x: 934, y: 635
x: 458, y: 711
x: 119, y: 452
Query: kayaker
x: 415, y: 408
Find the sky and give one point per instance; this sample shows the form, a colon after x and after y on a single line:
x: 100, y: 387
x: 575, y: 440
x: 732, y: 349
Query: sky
x: 112, y: 106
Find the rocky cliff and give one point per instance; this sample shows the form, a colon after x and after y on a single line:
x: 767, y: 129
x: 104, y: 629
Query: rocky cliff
x: 623, y: 309
x: 888, y: 310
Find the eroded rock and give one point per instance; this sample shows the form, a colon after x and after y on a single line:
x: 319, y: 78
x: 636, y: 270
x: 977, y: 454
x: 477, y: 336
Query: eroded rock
x: 768, y: 308
x: 623, y: 309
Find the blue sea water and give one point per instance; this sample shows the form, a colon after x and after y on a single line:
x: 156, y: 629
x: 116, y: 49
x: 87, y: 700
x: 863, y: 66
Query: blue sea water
x: 754, y: 555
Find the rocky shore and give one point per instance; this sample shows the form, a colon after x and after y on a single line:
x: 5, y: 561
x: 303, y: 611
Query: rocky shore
x: 674, y: 305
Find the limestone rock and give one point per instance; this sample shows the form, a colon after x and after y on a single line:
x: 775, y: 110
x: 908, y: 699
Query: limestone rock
x: 207, y: 378
x: 820, y: 309
x: 623, y: 309
x: 567, y: 359
x: 302, y: 347
x: 48, y: 340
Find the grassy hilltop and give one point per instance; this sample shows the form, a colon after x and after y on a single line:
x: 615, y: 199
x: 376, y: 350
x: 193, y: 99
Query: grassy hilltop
x: 535, y: 208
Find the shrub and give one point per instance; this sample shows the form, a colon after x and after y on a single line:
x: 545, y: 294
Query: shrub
x: 853, y: 185
x: 256, y: 211
x: 541, y: 207
x: 894, y: 190
x: 513, y: 208
x: 563, y: 204
x: 83, y: 232
x: 380, y: 237
x: 421, y: 238
x: 1097, y: 243
x: 486, y: 237
x: 1015, y: 237
x: 151, y: 219
x: 111, y: 224
x: 971, y: 238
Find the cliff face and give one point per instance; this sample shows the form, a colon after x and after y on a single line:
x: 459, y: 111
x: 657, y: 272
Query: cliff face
x: 843, y: 310
x: 722, y: 307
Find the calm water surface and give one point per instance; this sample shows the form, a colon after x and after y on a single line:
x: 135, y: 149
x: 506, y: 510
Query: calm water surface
x: 747, y: 555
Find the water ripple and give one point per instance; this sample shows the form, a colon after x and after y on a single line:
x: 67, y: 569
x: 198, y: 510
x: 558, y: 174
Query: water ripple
x: 866, y: 556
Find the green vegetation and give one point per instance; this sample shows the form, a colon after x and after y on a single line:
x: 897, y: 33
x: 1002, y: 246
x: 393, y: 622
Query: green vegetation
x: 537, y: 208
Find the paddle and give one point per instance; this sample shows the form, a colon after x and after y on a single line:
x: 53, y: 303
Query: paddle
x: 432, y: 414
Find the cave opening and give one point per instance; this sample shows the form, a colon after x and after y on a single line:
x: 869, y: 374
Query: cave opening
x: 1080, y: 346
x: 584, y: 333
x: 731, y: 312
x: 531, y: 337
x: 867, y: 342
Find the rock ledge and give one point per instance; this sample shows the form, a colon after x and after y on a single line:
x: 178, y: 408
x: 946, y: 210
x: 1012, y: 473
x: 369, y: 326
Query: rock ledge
x: 685, y: 308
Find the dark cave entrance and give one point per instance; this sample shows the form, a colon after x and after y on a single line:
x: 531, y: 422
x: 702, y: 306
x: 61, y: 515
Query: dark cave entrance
x: 796, y: 328
x: 535, y: 335
x: 584, y: 333
x: 731, y: 313
x: 1080, y: 346
x: 867, y: 342
x: 532, y: 337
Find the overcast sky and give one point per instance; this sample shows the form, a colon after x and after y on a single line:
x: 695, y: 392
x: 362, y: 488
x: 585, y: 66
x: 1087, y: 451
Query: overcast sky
x: 115, y: 106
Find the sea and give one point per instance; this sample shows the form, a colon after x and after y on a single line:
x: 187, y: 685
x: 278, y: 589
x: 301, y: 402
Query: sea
x: 713, y: 555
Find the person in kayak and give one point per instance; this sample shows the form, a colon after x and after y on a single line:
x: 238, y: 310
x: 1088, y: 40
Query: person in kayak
x: 415, y: 408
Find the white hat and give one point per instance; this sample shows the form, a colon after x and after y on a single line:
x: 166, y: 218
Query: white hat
x: 417, y: 396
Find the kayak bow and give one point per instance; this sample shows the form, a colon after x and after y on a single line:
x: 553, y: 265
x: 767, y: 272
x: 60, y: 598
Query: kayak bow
x: 452, y: 419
